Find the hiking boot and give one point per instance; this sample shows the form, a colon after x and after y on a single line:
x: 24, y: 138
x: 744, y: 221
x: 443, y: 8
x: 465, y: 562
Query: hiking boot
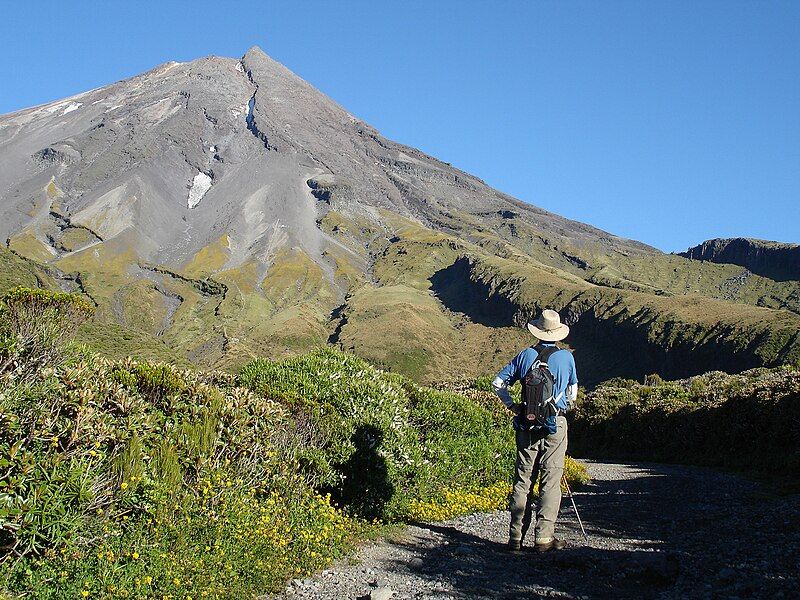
x: 514, y: 546
x: 554, y: 544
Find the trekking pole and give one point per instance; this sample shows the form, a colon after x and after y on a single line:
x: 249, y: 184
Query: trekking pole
x: 574, y: 506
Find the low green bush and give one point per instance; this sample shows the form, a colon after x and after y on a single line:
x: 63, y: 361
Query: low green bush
x: 359, y: 444
x: 464, y: 445
x: 197, y: 476
x: 747, y: 421
x: 34, y: 325
x: 378, y: 442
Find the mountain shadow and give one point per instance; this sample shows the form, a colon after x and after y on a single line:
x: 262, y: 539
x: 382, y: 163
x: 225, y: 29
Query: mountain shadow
x: 459, y: 293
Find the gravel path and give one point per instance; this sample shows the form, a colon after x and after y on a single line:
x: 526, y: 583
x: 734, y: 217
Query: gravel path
x: 655, y: 531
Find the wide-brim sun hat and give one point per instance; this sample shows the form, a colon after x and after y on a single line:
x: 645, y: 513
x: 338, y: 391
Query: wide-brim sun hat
x: 548, y: 327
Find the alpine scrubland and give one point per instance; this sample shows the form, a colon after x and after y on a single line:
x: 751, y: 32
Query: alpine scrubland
x: 136, y: 478
x: 125, y: 478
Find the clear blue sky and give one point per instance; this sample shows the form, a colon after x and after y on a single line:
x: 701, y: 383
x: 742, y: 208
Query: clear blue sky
x: 667, y: 122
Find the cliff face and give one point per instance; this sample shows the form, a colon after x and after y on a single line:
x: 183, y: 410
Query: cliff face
x: 780, y: 262
x: 623, y: 333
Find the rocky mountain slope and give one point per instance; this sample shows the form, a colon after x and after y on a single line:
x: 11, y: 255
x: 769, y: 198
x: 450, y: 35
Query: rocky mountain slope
x: 769, y: 259
x: 223, y: 209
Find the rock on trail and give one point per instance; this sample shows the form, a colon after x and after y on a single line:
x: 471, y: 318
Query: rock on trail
x: 655, y: 531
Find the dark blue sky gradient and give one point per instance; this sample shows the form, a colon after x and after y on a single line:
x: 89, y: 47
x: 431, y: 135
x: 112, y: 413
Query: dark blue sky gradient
x: 667, y: 122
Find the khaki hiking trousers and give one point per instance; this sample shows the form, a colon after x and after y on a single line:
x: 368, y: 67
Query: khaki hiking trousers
x: 535, y: 456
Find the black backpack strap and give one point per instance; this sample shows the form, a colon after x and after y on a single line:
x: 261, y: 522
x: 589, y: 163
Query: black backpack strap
x: 545, y: 352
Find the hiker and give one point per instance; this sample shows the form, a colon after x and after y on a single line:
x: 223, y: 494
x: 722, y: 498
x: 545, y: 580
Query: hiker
x: 541, y: 429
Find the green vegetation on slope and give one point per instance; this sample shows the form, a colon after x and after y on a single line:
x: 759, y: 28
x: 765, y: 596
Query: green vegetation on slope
x: 395, y: 302
x: 136, y: 479
x: 116, y: 342
x: 474, y: 327
x: 643, y: 271
x: 674, y: 275
x: 674, y: 336
x: 109, y: 339
x: 399, y: 324
x: 16, y: 270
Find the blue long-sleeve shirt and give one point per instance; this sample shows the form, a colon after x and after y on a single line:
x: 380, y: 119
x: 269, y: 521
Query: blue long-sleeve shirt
x: 561, y: 364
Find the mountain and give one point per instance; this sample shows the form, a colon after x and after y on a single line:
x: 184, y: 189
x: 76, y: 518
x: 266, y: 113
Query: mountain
x: 777, y: 261
x: 223, y: 209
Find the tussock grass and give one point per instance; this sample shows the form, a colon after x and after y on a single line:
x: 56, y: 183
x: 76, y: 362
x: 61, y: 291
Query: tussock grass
x: 18, y: 271
x: 25, y: 243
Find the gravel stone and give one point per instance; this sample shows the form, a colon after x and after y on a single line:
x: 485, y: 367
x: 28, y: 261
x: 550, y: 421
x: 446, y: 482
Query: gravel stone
x: 382, y: 593
x: 655, y: 531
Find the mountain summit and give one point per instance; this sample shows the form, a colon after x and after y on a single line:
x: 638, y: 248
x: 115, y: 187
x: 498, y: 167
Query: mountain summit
x: 185, y: 153
x: 228, y: 208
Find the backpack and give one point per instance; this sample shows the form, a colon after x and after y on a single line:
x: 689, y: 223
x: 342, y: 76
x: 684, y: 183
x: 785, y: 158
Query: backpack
x: 539, y: 409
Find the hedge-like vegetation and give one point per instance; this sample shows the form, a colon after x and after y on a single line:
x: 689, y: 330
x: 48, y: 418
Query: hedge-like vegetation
x: 135, y: 480
x: 749, y: 421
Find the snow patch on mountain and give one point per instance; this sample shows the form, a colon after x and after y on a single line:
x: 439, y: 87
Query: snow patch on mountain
x: 200, y: 185
x: 71, y: 106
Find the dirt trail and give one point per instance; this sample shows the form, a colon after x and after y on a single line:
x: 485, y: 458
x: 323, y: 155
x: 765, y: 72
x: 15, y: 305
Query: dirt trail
x: 656, y: 531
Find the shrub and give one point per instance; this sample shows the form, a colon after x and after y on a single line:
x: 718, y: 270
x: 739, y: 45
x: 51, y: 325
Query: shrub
x: 359, y: 443
x: 138, y: 479
x: 706, y: 420
x: 653, y: 379
x: 34, y: 326
x: 483, y: 383
x: 194, y: 478
x: 465, y: 446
